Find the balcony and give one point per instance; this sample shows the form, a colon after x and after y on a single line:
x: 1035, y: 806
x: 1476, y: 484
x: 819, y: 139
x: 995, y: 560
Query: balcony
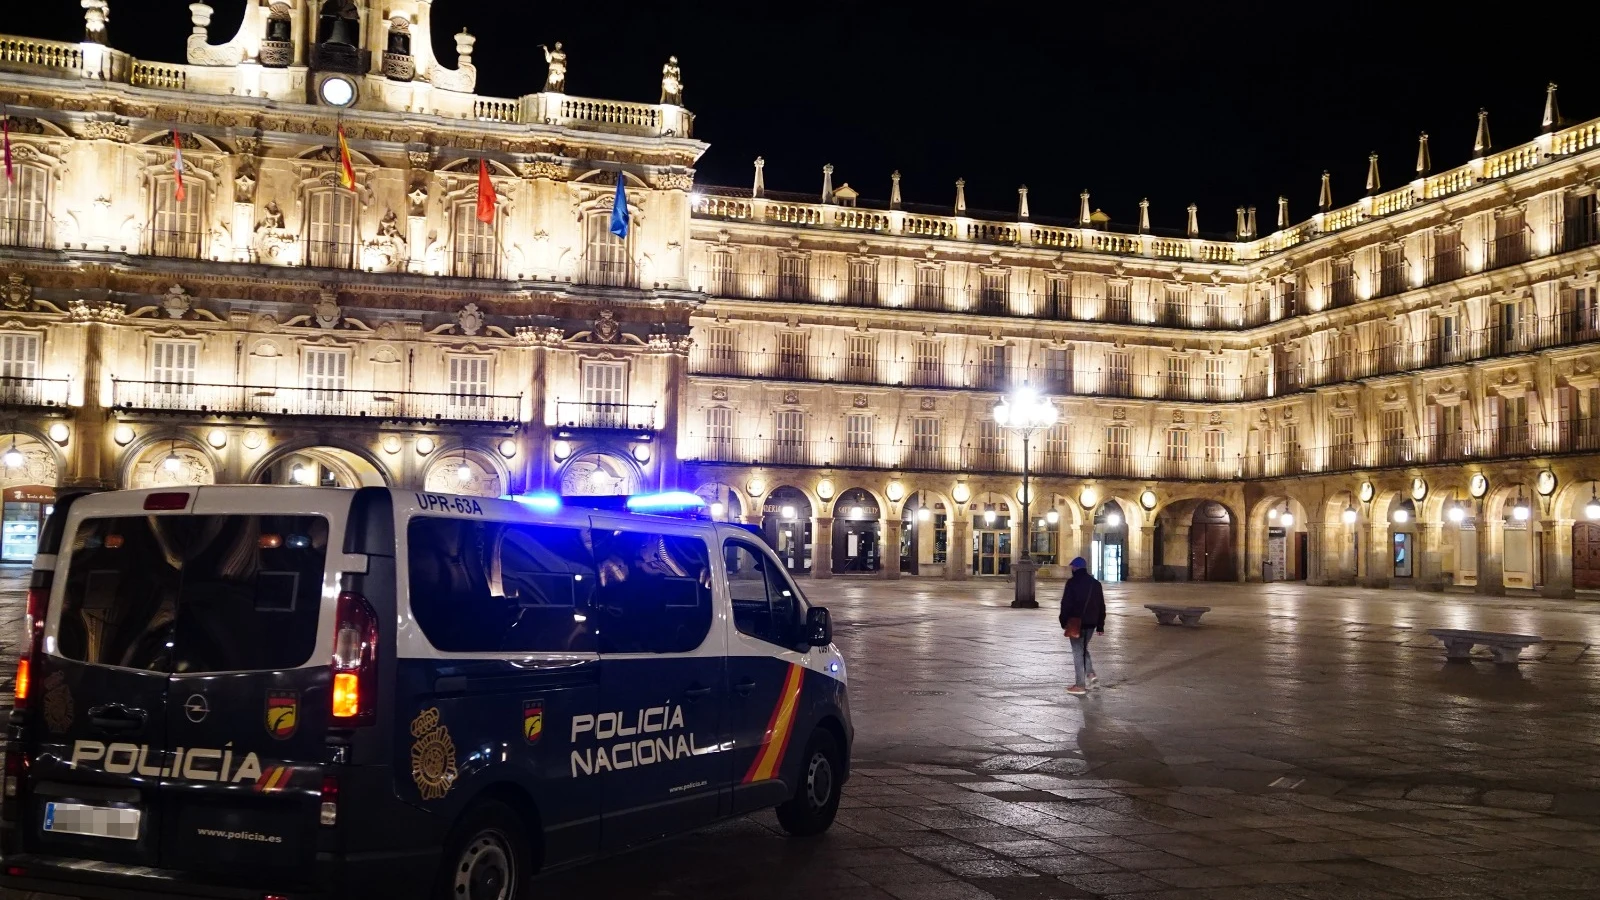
x: 261, y: 400
x: 608, y: 416
x: 34, y: 393
x: 610, y: 274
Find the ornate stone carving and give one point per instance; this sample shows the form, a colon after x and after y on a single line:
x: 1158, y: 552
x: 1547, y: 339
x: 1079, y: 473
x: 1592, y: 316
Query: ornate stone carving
x: 18, y: 295
x: 469, y: 320
x: 271, y: 217
x: 674, y: 181
x: 672, y: 82
x: 327, y: 310
x: 544, y: 169
x: 399, y: 66
x: 1216, y: 417
x: 791, y: 397
x: 719, y: 394
x: 929, y: 404
x: 177, y: 302
x: 389, y: 227
x: 555, y: 80
x: 1118, y: 413
x: 98, y: 311
x: 107, y: 130
x: 606, y: 330
x: 1177, y: 416
x: 244, y: 184
x: 419, y: 199
x: 859, y: 402
x: 464, y: 77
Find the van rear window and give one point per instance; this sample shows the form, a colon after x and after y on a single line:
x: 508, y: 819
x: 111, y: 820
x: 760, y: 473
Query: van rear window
x: 194, y: 593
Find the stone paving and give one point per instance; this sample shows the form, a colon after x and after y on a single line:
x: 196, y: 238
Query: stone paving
x: 1302, y: 743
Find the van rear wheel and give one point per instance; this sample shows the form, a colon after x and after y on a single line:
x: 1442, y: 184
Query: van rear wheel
x: 488, y: 856
x: 816, y: 798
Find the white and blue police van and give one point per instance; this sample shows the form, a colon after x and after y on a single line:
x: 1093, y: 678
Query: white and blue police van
x: 279, y: 692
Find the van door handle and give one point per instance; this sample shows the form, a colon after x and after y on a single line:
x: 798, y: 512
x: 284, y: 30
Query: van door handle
x: 696, y: 692
x: 116, y: 718
x: 744, y: 686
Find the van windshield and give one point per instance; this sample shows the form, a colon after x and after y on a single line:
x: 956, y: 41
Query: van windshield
x: 194, y: 593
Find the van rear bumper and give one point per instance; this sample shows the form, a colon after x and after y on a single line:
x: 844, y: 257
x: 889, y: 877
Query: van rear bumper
x: 49, y: 878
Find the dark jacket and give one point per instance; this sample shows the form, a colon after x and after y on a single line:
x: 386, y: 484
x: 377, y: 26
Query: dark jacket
x: 1083, y: 599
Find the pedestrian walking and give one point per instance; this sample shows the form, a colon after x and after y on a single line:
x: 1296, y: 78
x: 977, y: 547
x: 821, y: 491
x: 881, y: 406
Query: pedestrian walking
x: 1083, y: 612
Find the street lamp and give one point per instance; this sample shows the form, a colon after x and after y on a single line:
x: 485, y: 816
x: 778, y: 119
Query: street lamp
x: 1592, y: 509
x: 1026, y: 413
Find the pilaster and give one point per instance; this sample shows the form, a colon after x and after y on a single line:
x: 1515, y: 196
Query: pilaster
x: 822, y: 547
x: 1557, y: 542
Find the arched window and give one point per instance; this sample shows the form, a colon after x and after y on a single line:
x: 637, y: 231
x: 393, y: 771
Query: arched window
x: 331, y: 229
x: 476, y: 250
x: 177, y: 228
x: 608, y: 259
x: 24, y: 211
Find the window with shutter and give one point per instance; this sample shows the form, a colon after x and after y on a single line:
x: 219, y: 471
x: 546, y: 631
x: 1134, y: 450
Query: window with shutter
x: 173, y: 366
x: 1058, y: 369
x: 331, y: 229
x: 1216, y: 446
x: 1216, y: 377
x: 862, y: 358
x: 1177, y: 377
x: 724, y: 281
x: 1118, y: 307
x: 930, y: 365
x: 791, y: 354
x: 608, y: 259
x: 863, y: 289
x: 24, y: 215
x: 1119, y: 374
x: 1177, y: 445
x: 930, y: 288
x: 719, y: 432
x: 793, y: 278
x: 476, y: 253
x: 19, y: 356
x: 176, y: 227
x: 605, y: 393
x: 925, y: 449
x: 469, y: 381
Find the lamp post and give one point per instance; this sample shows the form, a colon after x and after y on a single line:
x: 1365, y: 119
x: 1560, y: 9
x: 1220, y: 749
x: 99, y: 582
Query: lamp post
x: 1025, y: 412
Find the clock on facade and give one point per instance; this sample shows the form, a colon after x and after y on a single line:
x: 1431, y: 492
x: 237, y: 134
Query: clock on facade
x: 1419, y: 489
x: 1478, y: 486
x: 337, y: 91
x: 1546, y: 482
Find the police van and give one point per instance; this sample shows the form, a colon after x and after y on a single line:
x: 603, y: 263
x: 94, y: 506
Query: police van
x: 281, y: 692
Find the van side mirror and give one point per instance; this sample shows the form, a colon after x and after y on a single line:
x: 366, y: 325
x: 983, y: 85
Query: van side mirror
x: 819, y: 627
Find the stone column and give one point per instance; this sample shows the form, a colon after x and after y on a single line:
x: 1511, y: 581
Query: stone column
x: 958, y: 558
x: 889, y: 558
x: 1380, y: 559
x: 1557, y: 543
x: 1142, y: 559
x: 90, y: 464
x: 1316, y: 569
x: 822, y: 547
x: 1491, y: 572
x: 1427, y: 569
x: 672, y: 401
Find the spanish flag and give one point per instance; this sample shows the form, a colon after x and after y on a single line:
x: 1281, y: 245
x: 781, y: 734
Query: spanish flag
x: 485, y: 194
x: 177, y: 165
x: 347, y: 172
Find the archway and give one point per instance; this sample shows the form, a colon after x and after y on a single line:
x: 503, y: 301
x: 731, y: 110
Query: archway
x: 321, y: 466
x: 924, y: 534
x: 596, y: 473
x: 1511, y: 511
x: 1581, y: 505
x: 856, y: 526
x: 991, y: 535
x: 725, y: 504
x: 1403, y: 539
x: 171, y: 464
x: 465, y: 472
x: 1108, y: 556
x: 1279, y: 542
x: 28, y: 475
x: 1211, y: 544
x: 786, y: 523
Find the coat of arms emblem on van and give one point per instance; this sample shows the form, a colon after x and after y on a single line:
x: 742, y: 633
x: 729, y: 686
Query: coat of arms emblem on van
x: 433, y: 755
x: 283, y: 714
x: 532, y: 720
x: 57, y: 703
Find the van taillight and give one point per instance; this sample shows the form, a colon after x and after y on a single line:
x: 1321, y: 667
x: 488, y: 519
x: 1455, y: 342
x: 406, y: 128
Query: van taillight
x: 330, y: 800
x: 355, y: 661
x: 166, y: 501
x: 17, y: 764
x: 38, y: 599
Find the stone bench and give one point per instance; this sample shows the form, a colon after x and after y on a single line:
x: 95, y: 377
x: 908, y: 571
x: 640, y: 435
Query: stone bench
x: 1173, y: 615
x: 1506, y: 648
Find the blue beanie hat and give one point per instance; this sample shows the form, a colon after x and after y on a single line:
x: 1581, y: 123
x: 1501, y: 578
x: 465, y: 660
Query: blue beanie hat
x: 1078, y: 563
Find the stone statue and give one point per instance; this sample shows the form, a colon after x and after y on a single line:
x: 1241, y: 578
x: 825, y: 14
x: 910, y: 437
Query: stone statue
x: 556, y: 81
x: 272, y: 218
x: 671, y: 82
x: 389, y: 226
x: 95, y: 14
x: 339, y: 23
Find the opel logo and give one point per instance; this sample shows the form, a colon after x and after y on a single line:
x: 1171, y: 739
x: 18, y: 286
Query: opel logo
x: 196, y: 708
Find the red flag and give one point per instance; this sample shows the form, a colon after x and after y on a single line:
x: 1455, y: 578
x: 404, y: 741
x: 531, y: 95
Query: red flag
x: 485, y: 194
x: 5, y: 128
x: 177, y: 165
x: 347, y: 172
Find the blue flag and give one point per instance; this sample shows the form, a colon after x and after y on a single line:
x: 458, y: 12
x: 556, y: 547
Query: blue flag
x: 619, y: 211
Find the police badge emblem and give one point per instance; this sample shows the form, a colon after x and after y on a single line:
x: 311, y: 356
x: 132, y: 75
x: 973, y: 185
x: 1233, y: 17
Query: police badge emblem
x: 57, y: 703
x: 532, y: 720
x: 433, y: 755
x: 283, y: 714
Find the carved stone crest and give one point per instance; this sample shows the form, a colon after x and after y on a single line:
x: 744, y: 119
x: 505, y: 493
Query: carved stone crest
x: 606, y: 329
x: 244, y: 184
x: 860, y: 401
x: 327, y: 310
x: 1118, y: 413
x: 469, y: 319
x: 1216, y: 417
x: 719, y: 394
x: 791, y: 397
x: 177, y: 302
x: 1510, y: 377
x: 1177, y: 415
x: 929, y: 404
x: 17, y: 292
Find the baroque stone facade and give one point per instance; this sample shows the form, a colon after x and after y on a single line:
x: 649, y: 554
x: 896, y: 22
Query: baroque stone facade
x: 1318, y: 401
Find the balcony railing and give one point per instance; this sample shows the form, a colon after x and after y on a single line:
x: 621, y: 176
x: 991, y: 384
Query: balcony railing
x: 1505, y: 442
x: 34, y: 392
x: 467, y: 264
x: 616, y: 416
x: 610, y: 274
x: 24, y: 231
x: 260, y: 400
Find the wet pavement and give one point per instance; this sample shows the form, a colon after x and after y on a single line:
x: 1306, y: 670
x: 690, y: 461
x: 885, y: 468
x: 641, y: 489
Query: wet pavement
x: 1301, y: 743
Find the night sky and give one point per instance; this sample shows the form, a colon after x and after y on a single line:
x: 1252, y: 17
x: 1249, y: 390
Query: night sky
x: 1197, y: 102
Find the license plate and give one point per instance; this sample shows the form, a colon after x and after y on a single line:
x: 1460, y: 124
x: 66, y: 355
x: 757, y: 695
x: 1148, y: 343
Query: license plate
x: 96, y: 821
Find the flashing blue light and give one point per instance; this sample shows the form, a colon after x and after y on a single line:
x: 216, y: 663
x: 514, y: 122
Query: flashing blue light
x: 666, y: 500
x: 546, y: 503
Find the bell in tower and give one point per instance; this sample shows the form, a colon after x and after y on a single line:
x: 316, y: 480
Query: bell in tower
x: 338, y: 47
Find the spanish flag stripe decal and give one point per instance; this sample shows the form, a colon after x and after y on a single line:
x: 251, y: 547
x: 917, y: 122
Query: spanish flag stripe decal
x: 779, y: 728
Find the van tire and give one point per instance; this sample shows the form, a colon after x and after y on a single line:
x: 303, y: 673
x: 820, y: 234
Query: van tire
x: 488, y: 856
x: 816, y: 797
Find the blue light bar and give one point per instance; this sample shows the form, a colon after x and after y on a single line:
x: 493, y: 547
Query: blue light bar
x: 546, y: 503
x: 666, y: 501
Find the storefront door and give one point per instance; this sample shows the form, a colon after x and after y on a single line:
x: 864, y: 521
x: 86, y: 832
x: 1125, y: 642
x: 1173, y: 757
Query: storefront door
x: 24, y: 514
x: 991, y: 552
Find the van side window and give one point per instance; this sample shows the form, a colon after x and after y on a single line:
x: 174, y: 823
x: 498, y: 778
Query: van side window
x: 764, y: 603
x: 654, y: 594
x: 480, y: 586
